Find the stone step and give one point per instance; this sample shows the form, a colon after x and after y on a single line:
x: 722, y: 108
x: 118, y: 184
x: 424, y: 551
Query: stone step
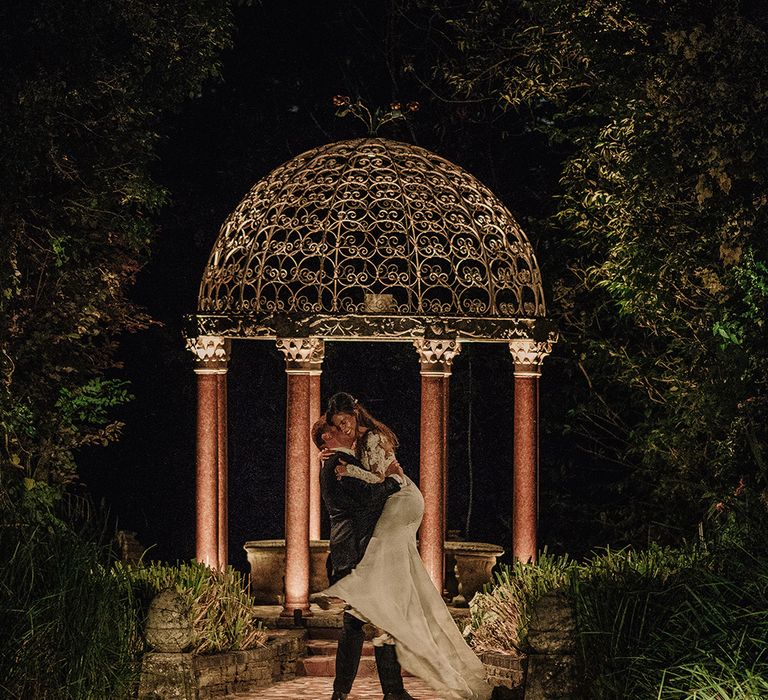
x: 327, y: 647
x: 335, y: 632
x: 321, y: 647
x: 324, y: 633
x: 325, y: 666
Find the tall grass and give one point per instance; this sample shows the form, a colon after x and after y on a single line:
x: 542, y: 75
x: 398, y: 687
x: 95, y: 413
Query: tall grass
x: 71, y: 617
x: 67, y: 623
x: 623, y: 600
x: 675, y: 624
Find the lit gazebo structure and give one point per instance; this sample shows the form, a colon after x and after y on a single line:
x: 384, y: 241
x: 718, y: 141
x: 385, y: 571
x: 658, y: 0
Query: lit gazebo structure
x: 366, y: 240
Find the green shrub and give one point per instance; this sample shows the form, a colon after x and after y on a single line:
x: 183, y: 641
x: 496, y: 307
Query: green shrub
x: 223, y: 614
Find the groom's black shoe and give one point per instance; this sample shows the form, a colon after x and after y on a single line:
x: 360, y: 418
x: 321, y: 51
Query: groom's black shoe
x: 338, y: 695
x: 400, y: 695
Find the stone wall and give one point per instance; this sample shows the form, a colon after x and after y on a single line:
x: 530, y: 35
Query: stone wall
x: 549, y: 670
x: 185, y: 676
x: 552, y: 671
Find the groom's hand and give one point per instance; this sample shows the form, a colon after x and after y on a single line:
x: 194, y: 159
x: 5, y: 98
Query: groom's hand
x: 394, y: 468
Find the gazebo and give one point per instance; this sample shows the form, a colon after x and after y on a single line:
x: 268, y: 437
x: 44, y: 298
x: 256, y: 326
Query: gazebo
x: 376, y: 240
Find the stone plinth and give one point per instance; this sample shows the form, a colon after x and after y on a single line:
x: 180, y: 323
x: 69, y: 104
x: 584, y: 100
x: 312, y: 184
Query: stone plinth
x: 506, y: 673
x: 473, y: 563
x: 267, y: 561
x: 129, y: 547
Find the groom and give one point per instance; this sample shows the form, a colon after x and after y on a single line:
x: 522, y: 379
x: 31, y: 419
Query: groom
x: 354, y: 507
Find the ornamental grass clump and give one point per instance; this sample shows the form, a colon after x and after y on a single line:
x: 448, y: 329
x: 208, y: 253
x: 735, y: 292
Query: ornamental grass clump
x: 501, y: 613
x: 624, y: 600
x: 223, y: 615
x: 688, y: 624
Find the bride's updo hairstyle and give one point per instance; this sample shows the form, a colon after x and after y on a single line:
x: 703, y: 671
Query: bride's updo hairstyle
x: 342, y: 402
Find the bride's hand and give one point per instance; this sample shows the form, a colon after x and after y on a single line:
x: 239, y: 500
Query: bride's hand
x: 326, y: 453
x: 341, y: 470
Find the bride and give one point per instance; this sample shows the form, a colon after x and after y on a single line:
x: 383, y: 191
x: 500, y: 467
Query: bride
x: 390, y: 586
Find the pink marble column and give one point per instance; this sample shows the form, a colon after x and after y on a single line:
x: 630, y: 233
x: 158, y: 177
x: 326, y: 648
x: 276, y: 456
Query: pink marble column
x: 435, y: 358
x: 315, y: 408
x: 206, y: 492
x: 212, y: 355
x: 301, y: 359
x: 528, y: 356
x: 222, y: 470
x: 446, y: 404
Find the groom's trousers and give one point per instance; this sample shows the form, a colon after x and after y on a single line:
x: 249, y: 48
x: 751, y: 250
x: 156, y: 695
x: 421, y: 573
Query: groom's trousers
x: 348, y: 658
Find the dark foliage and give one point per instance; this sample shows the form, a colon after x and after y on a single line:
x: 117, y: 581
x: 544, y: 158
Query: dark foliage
x: 84, y: 86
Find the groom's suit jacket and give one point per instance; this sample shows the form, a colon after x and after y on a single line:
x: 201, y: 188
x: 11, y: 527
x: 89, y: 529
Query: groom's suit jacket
x: 354, y: 507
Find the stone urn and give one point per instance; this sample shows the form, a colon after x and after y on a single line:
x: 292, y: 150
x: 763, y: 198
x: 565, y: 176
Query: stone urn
x: 169, y: 624
x: 267, y: 561
x: 473, y: 564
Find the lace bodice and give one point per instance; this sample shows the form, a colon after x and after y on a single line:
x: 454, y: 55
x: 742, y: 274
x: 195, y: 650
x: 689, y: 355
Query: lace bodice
x: 377, y: 452
x: 377, y: 455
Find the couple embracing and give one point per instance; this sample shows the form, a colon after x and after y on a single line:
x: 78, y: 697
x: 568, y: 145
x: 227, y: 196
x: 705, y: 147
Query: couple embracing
x: 375, y: 568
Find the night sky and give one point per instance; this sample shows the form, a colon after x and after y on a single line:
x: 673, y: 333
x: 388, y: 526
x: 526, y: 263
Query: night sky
x: 288, y: 61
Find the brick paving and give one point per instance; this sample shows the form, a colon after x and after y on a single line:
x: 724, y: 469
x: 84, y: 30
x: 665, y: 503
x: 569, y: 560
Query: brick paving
x: 318, y: 688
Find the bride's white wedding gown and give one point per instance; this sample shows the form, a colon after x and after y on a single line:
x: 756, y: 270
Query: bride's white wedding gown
x: 391, y: 588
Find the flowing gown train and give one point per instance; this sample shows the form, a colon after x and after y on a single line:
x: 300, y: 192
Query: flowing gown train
x: 391, y: 588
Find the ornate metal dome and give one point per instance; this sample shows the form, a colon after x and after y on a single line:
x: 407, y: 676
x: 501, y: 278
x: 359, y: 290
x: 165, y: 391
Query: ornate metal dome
x: 370, y: 238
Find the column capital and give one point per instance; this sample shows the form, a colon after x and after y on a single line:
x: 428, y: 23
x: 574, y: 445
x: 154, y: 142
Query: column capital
x: 302, y: 355
x: 436, y: 355
x: 528, y: 355
x: 211, y: 353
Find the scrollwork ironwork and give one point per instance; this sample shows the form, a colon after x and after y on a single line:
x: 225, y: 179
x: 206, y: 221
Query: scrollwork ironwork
x: 353, y: 221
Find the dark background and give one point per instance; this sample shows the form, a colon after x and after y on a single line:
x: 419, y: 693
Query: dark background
x: 288, y: 60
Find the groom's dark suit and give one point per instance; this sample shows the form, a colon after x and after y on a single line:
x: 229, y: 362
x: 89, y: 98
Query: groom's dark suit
x: 354, y: 507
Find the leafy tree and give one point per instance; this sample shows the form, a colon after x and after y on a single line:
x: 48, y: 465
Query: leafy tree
x: 658, y: 114
x: 84, y: 86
